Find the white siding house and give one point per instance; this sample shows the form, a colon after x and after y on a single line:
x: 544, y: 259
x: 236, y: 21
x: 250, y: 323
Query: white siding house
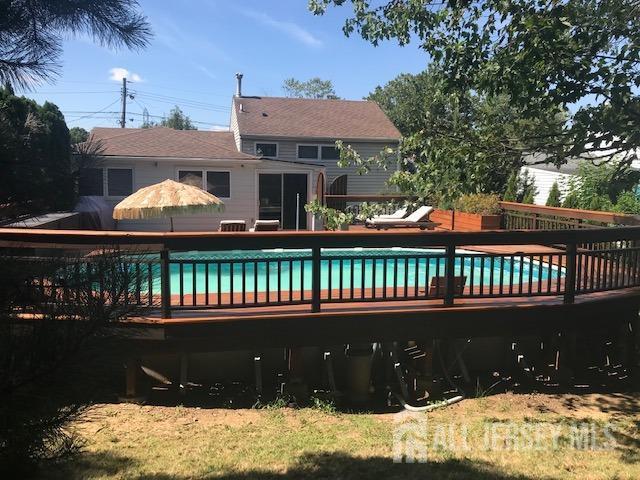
x: 544, y: 175
x: 137, y: 159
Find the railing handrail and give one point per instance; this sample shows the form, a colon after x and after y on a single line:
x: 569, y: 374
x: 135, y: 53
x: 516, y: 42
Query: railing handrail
x: 571, y: 213
x: 16, y: 237
x: 619, y: 267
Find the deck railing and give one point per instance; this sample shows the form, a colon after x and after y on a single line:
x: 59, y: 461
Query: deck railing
x: 521, y: 216
x: 313, y: 268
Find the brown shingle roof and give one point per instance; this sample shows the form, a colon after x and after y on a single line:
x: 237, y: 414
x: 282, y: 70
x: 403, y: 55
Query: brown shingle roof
x: 167, y: 142
x: 311, y: 118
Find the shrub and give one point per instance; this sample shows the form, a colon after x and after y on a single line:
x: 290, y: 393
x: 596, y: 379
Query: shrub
x: 479, y: 203
x: 553, y: 200
x: 333, y: 219
x: 628, y: 202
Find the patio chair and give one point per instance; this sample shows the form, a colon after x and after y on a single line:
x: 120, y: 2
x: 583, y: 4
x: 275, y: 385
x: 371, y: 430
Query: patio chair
x: 439, y: 285
x: 418, y: 219
x: 265, y: 226
x: 232, y: 226
x: 400, y: 213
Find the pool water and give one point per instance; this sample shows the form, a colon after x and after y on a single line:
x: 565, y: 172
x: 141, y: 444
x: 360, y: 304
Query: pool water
x: 364, y: 268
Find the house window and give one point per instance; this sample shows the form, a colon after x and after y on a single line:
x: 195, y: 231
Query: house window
x: 190, y: 177
x: 218, y: 183
x: 330, y: 153
x: 119, y: 182
x: 90, y: 182
x: 267, y: 149
x: 309, y: 152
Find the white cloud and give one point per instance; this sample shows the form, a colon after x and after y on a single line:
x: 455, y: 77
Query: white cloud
x: 219, y: 128
x: 118, y: 73
x: 293, y: 30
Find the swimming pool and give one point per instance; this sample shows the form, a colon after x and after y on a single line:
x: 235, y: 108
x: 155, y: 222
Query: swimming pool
x: 405, y: 269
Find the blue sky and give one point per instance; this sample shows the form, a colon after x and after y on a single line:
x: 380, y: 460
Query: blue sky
x: 198, y: 46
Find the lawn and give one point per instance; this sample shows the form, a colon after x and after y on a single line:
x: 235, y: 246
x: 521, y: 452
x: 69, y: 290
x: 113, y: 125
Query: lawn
x: 133, y: 441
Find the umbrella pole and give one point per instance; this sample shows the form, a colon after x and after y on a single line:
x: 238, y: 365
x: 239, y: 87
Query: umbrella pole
x: 171, y: 220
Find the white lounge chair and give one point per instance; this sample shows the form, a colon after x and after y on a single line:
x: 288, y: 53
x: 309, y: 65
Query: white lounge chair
x: 418, y: 219
x: 265, y: 226
x: 232, y: 226
x: 400, y: 213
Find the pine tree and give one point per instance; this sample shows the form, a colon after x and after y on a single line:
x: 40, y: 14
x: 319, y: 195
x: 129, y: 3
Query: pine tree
x: 553, y: 200
x: 511, y: 192
x: 528, y: 197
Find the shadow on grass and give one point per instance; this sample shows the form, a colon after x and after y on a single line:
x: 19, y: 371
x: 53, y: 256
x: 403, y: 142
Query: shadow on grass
x: 310, y: 466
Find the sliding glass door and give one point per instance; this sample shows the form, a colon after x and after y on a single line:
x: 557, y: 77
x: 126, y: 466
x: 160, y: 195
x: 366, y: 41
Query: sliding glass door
x: 278, y: 194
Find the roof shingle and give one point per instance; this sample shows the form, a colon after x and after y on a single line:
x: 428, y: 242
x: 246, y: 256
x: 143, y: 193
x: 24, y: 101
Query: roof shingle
x: 313, y: 118
x: 167, y: 142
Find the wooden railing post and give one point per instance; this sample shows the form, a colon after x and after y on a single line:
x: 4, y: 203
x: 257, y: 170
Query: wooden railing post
x: 570, y: 273
x: 165, y: 284
x: 450, y: 285
x: 315, y: 279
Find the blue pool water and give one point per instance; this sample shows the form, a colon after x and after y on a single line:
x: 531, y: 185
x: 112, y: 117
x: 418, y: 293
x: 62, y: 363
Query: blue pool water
x: 413, y: 268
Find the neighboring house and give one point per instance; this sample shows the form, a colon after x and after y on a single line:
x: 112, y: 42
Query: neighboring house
x: 133, y: 158
x: 262, y: 168
x: 545, y: 174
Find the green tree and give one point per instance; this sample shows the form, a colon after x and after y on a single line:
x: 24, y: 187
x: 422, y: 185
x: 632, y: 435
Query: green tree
x: 35, y: 157
x: 554, y: 200
x: 177, y: 120
x: 454, y: 144
x: 32, y: 32
x: 405, y: 100
x: 600, y: 186
x: 511, y: 191
x: 543, y: 55
x: 78, y: 135
x: 312, y: 88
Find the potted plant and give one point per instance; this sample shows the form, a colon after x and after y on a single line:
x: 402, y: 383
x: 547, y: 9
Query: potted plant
x: 471, y: 212
x: 333, y: 219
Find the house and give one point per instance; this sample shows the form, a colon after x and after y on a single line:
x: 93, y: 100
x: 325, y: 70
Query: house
x: 305, y: 130
x: 544, y: 175
x: 269, y: 163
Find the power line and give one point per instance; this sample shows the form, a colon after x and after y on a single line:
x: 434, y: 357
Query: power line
x: 99, y: 111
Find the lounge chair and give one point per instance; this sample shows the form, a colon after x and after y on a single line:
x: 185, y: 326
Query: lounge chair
x: 232, y: 226
x: 265, y: 226
x: 439, y: 285
x: 400, y: 213
x: 418, y: 219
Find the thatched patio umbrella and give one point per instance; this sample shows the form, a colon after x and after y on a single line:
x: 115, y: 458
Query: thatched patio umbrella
x: 166, y: 199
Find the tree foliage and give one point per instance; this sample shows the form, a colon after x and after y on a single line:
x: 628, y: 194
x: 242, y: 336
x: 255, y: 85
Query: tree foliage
x: 313, y: 88
x: 78, y: 135
x: 62, y: 291
x: 453, y: 144
x: 32, y: 32
x: 35, y: 157
x: 603, y: 186
x: 177, y: 120
x: 554, y: 198
x: 544, y: 55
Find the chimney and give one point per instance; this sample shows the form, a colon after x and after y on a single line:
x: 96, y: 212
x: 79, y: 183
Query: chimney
x: 238, y: 84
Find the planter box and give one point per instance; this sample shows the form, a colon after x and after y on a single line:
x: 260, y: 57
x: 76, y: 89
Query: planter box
x: 465, y: 222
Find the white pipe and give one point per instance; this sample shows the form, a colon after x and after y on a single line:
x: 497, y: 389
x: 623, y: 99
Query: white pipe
x: 297, y: 212
x: 428, y: 408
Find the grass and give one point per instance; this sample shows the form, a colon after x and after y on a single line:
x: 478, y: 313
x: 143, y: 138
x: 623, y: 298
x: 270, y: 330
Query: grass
x: 132, y: 441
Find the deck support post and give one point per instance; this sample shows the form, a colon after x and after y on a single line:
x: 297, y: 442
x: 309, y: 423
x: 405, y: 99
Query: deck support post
x: 570, y: 273
x: 165, y: 286
x: 450, y: 275
x: 132, y: 366
x: 315, y: 279
x: 184, y: 372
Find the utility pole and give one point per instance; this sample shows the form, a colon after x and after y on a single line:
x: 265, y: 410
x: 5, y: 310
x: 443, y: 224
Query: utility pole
x: 123, y: 118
